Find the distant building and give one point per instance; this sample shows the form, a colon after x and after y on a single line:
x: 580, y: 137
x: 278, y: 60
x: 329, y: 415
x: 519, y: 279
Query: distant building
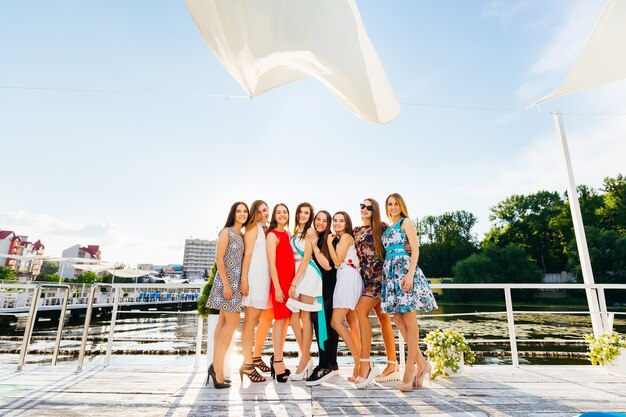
x: 9, y: 245
x: 78, y: 251
x: 12, y: 244
x: 199, y: 257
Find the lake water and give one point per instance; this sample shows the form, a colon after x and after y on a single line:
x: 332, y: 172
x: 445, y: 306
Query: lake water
x: 145, y: 337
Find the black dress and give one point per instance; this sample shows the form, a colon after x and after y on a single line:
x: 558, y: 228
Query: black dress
x: 328, y: 355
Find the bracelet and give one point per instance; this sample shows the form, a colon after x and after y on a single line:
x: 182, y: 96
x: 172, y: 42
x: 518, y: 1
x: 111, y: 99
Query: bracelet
x: 292, y: 285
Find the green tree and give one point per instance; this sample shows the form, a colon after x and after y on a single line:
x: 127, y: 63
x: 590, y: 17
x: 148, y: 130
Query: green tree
x: 161, y: 273
x: 444, y: 240
x: 205, y: 275
x: 6, y: 273
x: 494, y: 264
x: 87, y: 277
x: 531, y: 222
x: 49, y: 268
x: 614, y: 211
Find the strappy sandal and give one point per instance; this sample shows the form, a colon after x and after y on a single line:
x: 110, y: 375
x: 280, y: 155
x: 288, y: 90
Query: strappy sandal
x: 360, y: 382
x: 250, y: 371
x: 355, y: 375
x: 393, y: 376
x: 258, y: 362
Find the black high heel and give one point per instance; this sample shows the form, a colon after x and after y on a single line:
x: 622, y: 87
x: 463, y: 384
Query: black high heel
x: 258, y: 362
x: 250, y: 372
x: 272, y: 372
x: 218, y: 385
x: 280, y: 377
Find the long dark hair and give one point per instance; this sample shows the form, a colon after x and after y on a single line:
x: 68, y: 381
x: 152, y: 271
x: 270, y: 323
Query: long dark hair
x: 377, y: 229
x: 323, y: 238
x: 253, y: 217
x: 230, y: 221
x: 349, y: 230
x: 273, y: 222
x: 308, y: 224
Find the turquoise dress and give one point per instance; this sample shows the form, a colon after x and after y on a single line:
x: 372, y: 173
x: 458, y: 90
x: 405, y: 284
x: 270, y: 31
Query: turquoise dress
x: 396, y: 266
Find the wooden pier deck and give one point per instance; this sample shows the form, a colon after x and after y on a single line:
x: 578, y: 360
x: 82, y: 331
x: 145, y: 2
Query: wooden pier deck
x: 156, y: 391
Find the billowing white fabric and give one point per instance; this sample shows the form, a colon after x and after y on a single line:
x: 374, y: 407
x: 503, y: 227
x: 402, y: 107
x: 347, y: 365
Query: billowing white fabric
x: 604, y: 58
x: 268, y: 43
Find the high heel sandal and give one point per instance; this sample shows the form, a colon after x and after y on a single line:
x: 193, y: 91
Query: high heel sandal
x: 218, y: 385
x: 305, y: 373
x: 355, y: 375
x: 392, y: 376
x: 258, y: 362
x: 407, y: 386
x: 419, y: 379
x: 359, y: 382
x: 280, y: 377
x: 250, y: 371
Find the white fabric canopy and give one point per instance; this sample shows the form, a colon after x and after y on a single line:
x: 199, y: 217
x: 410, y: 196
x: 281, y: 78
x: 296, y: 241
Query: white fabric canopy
x: 129, y: 272
x: 604, y: 58
x: 92, y: 268
x: 265, y: 44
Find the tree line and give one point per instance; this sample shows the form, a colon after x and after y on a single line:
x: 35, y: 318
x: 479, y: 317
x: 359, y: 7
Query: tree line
x: 531, y: 235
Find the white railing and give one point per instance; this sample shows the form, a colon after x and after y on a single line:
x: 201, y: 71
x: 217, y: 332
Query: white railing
x: 113, y: 299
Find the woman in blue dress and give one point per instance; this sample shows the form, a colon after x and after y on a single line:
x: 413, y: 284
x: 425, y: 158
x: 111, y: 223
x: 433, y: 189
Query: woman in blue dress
x: 405, y: 289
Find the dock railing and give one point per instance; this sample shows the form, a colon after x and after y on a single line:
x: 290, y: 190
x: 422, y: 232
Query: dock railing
x: 606, y: 317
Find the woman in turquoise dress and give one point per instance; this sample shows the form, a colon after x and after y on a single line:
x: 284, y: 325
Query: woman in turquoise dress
x: 405, y: 289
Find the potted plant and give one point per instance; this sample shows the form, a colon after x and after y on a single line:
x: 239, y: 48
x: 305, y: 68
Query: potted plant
x: 448, y: 351
x: 608, y: 350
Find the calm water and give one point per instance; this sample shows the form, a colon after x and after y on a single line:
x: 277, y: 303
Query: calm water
x: 141, y: 337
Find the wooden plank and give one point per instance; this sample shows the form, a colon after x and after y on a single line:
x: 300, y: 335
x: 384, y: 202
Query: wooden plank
x: 551, y: 391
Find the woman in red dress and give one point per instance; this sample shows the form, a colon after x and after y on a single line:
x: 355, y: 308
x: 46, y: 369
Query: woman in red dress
x: 282, y: 270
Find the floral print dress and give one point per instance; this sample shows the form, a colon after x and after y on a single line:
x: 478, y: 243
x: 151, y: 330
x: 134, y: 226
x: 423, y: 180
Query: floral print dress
x: 396, y: 266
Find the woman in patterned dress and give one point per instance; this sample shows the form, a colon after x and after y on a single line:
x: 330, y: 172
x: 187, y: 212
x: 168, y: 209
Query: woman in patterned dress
x: 369, y: 247
x: 405, y: 289
x: 225, y: 295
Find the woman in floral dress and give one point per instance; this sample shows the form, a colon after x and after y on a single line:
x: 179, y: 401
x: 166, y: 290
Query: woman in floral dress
x: 405, y: 289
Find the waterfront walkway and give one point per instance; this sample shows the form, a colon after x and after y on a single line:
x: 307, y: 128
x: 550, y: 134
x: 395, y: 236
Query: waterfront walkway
x: 178, y: 391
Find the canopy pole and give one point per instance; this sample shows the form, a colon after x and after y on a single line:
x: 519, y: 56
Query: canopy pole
x: 579, y: 229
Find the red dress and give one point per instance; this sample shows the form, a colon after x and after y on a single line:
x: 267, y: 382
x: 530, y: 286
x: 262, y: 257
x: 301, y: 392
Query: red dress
x: 286, y: 267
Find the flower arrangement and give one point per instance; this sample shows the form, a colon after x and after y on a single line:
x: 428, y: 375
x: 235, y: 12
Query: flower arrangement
x: 604, y: 348
x: 446, y: 349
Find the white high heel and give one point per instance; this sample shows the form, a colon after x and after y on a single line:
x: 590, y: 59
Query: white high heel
x: 361, y: 383
x: 305, y: 373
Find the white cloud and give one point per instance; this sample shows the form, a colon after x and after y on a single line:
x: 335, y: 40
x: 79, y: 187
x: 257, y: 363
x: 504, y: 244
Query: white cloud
x: 115, y: 243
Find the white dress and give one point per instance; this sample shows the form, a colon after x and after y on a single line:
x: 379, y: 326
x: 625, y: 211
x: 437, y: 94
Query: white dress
x: 349, y: 282
x: 259, y: 275
x: 311, y: 282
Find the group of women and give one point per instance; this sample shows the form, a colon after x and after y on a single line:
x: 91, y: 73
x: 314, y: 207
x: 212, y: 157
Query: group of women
x: 319, y: 280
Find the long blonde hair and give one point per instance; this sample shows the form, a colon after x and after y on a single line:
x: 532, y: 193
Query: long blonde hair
x: 403, y: 210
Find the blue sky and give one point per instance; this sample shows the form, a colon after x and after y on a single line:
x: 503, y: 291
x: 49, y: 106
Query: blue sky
x: 111, y: 132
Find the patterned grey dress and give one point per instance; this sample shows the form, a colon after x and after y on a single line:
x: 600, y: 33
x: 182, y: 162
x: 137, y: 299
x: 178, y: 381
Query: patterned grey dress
x: 232, y: 261
x: 396, y: 266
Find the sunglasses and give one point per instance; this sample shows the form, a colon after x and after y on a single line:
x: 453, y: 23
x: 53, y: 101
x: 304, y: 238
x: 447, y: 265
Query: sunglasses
x: 369, y: 208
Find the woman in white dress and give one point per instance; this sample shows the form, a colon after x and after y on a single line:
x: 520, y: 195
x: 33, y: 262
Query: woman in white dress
x: 305, y: 290
x: 255, y: 288
x: 349, y: 286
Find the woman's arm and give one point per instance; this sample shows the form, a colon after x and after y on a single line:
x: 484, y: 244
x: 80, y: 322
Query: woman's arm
x: 249, y: 239
x: 342, y: 248
x: 308, y: 250
x: 409, y: 228
x: 220, y: 252
x: 271, y: 243
x: 319, y: 256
